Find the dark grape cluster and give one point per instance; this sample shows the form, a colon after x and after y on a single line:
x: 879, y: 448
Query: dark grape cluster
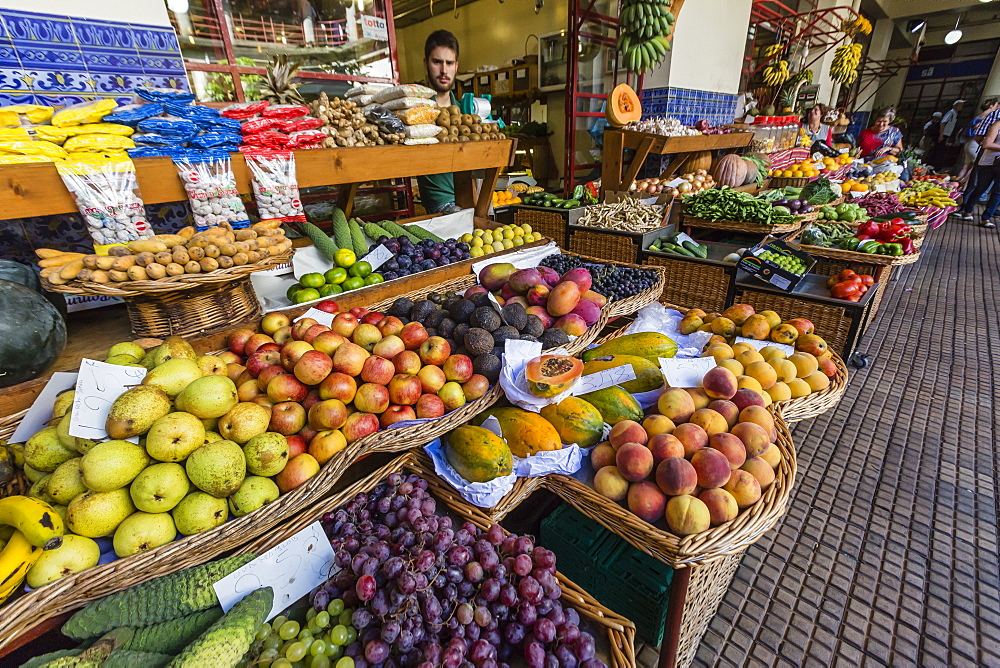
x: 612, y: 281
x: 427, y: 592
x: 411, y: 258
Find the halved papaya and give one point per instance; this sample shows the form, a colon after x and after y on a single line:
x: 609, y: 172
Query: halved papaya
x: 623, y: 106
x: 549, y: 375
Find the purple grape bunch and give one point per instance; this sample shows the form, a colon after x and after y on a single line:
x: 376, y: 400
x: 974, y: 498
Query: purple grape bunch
x: 410, y: 258
x: 427, y: 592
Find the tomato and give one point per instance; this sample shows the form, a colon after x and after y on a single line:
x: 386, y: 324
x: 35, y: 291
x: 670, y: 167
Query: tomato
x: 844, y: 289
x: 853, y: 298
x: 846, y: 274
x: 833, y: 280
x: 867, y: 280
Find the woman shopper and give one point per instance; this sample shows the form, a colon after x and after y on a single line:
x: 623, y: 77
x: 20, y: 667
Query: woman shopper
x: 971, y: 149
x: 813, y: 126
x: 986, y: 174
x: 881, y: 138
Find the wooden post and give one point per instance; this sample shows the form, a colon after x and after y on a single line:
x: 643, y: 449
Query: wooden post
x: 611, y: 167
x: 675, y: 612
x: 345, y: 198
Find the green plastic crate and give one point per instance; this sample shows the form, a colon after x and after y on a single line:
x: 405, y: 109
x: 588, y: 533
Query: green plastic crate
x: 630, y: 582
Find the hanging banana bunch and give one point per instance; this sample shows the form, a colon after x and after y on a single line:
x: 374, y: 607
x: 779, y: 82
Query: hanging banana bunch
x: 802, y: 75
x: 772, y: 50
x: 845, y: 63
x: 644, y: 27
x: 857, y: 25
x: 777, y: 73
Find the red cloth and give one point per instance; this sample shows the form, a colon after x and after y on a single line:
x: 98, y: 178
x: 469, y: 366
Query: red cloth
x: 869, y: 142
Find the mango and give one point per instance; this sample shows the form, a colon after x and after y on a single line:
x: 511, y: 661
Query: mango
x: 687, y: 515
x: 648, y: 376
x: 756, y: 327
x: 784, y: 369
x: 773, y: 319
x: 724, y: 327
x: 817, y: 381
x: 730, y: 446
x: 802, y: 325
x: 827, y: 366
x: 760, y: 470
x: 608, y: 482
x: 634, y: 461
x: 784, y: 334
x: 711, y: 421
x: 744, y: 488
x: 692, y: 437
x: 712, y: 468
x: 646, y: 501
x: 738, y: 313
x: 719, y: 383
x: 676, y: 475
x: 690, y: 324
x: 805, y: 364
x: 812, y: 344
x: 676, y: 404
x: 721, y: 505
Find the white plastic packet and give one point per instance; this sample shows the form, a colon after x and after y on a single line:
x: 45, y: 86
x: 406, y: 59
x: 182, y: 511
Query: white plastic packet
x: 275, y: 187
x: 657, y: 318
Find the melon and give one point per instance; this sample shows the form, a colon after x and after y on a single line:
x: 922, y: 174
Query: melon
x: 623, y: 106
x: 697, y: 160
x: 28, y: 277
x: 731, y: 170
x: 32, y: 334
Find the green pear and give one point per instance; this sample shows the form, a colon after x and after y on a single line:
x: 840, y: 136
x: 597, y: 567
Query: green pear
x: 159, y: 488
x: 252, y: 494
x: 61, y: 511
x: 33, y: 475
x: 199, y: 512
x: 173, y: 375
x: 135, y: 411
x: 208, y: 397
x: 66, y: 482
x: 63, y: 404
x: 81, y: 445
x: 217, y: 468
x: 143, y: 531
x: 123, y: 360
x: 172, y: 348
x: 75, y: 554
x: 112, y: 464
x: 127, y: 348
x: 44, y: 452
x: 96, y: 514
x: 174, y: 436
x: 40, y: 490
x: 244, y: 421
x: 211, y: 424
x: 266, y: 454
x: 213, y: 436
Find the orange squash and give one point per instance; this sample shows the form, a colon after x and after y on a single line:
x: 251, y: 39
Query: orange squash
x: 549, y: 375
x: 623, y: 106
x: 695, y: 161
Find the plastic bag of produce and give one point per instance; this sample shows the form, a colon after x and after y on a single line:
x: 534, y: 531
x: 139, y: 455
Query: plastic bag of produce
x: 255, y: 125
x: 285, y: 111
x: 32, y: 113
x: 267, y: 139
x: 83, y: 112
x: 421, y: 131
x: 300, y: 124
x: 170, y: 126
x: 97, y: 143
x: 164, y: 95
x: 11, y: 159
x: 211, y: 189
x: 156, y: 139
x: 421, y: 140
x: 217, y: 140
x: 97, y: 128
x: 43, y: 148
x: 305, y: 139
x: 275, y: 187
x: 192, y: 112
x: 403, y: 90
x: 386, y: 121
x: 107, y: 196
x: 405, y: 103
x: 244, y: 110
x: 367, y: 89
x: 419, y: 115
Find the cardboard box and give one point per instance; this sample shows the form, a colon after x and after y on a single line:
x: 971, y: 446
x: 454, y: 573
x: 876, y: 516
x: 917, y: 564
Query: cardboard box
x: 770, y: 272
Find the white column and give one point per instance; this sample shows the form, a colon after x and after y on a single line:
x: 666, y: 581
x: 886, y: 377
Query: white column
x: 992, y: 88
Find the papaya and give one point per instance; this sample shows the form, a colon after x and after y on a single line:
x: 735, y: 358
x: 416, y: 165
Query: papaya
x: 576, y: 421
x: 623, y: 106
x: 549, y: 375
x: 647, y: 374
x: 614, y: 404
x: 477, y: 454
x: 649, y: 345
x: 525, y: 432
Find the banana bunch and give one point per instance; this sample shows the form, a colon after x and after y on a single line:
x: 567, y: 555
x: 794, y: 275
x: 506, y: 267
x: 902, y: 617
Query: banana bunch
x: 777, y: 73
x: 802, y: 75
x: 845, y: 63
x: 772, y: 50
x: 37, y: 527
x: 643, y: 29
x: 857, y: 25
x: 924, y: 194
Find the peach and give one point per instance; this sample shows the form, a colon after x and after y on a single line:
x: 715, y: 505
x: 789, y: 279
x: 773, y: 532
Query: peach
x: 732, y: 365
x: 657, y: 424
x: 771, y: 455
x: 805, y: 364
x: 763, y: 373
x: 709, y: 420
x: 754, y: 437
x: 715, y: 339
x: 817, y: 381
x: 731, y: 446
x: 748, y: 357
x: 676, y: 404
x: 634, y: 461
x: 740, y: 348
x: 602, y: 455
x: 608, y: 482
x: 665, y: 445
x: 712, y: 467
x: 726, y: 409
x: 627, y: 431
x: 692, y: 437
x: 687, y: 515
x: 744, y: 488
x: 699, y: 397
x: 760, y: 470
x: 676, y: 475
x: 721, y: 505
x: 720, y: 351
x: 719, y: 383
x: 799, y: 388
x: 779, y: 392
x: 771, y: 352
x: 784, y: 369
x: 646, y: 501
x: 746, y: 397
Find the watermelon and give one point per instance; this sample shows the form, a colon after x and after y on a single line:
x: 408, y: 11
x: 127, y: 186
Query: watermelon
x: 28, y: 277
x: 32, y: 334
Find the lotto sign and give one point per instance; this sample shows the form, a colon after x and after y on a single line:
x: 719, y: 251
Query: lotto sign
x: 375, y: 28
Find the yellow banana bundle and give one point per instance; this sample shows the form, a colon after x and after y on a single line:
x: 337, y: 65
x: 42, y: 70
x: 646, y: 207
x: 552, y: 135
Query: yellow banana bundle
x: 777, y: 73
x: 926, y: 194
x: 38, y: 527
x: 857, y: 25
x: 844, y: 67
x: 772, y: 50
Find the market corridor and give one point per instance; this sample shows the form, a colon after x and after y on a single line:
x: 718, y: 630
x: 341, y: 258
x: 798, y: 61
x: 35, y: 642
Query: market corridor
x: 888, y: 553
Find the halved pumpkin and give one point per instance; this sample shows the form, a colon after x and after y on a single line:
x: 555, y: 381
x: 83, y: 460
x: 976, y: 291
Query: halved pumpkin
x: 549, y: 375
x: 623, y: 106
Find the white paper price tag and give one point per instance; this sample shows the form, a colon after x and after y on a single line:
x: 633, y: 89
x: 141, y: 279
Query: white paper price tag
x: 495, y: 302
x: 320, y: 316
x: 686, y: 372
x: 674, y: 183
x: 519, y: 348
x: 292, y: 568
x: 682, y: 237
x: 41, y: 410
x: 378, y: 256
x: 97, y: 387
x: 759, y: 345
x: 603, y: 379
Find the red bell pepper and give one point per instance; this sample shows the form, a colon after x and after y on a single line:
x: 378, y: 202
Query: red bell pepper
x: 869, y: 229
x: 908, y: 247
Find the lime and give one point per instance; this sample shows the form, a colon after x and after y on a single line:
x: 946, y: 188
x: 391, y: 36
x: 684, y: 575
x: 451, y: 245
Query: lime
x: 360, y: 269
x: 345, y: 257
x: 330, y: 289
x: 353, y: 283
x: 372, y: 279
x: 305, y: 295
x: 336, y: 275
x: 292, y: 290
x: 313, y: 280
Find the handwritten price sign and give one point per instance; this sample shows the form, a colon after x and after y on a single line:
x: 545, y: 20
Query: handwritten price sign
x: 760, y: 345
x: 686, y: 372
x: 320, y: 316
x: 378, y: 256
x: 603, y: 379
x: 97, y: 387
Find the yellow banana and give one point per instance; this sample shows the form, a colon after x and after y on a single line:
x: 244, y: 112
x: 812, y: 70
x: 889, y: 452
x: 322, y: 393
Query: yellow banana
x: 37, y: 520
x: 17, y: 557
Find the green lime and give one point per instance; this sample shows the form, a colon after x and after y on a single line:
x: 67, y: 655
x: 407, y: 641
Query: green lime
x: 292, y: 290
x: 372, y: 279
x: 313, y: 280
x: 306, y: 295
x: 330, y: 289
x: 353, y: 283
x: 336, y: 275
x: 345, y: 257
x: 360, y: 269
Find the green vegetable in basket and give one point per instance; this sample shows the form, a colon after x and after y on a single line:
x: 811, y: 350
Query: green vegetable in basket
x: 818, y: 192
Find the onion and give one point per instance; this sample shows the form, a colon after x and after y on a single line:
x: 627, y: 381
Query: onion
x: 688, y: 176
x: 655, y: 182
x: 684, y: 187
x: 702, y: 172
x: 699, y: 179
x: 633, y: 187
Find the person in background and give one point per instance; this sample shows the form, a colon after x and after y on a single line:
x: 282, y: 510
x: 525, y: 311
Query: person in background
x: 932, y: 128
x: 437, y: 191
x: 949, y: 121
x: 987, y: 176
x: 812, y: 124
x: 882, y: 138
x: 989, y: 113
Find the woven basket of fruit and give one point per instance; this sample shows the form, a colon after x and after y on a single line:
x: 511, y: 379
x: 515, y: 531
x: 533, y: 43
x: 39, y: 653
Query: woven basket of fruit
x: 628, y: 287
x: 403, y: 476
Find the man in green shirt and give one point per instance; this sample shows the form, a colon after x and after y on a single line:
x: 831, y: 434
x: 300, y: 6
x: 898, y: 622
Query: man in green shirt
x: 437, y: 191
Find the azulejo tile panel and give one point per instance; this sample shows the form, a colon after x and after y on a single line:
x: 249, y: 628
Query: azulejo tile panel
x: 59, y: 60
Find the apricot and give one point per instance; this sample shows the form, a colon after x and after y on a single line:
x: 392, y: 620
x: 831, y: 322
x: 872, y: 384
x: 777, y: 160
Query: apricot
x: 740, y: 348
x: 634, y: 461
x: 687, y: 514
x: 692, y: 437
x: 720, y: 351
x: 700, y: 398
x: 799, y: 388
x: 712, y: 467
x: 721, y: 505
x: 664, y: 446
x: 779, y: 392
x: 754, y: 437
x: 817, y: 381
x: 748, y: 357
x: 711, y: 421
x: 730, y: 446
x: 771, y: 455
x: 760, y: 470
x: 676, y: 475
x: 744, y: 488
x: 805, y: 364
x: 719, y: 383
x: 602, y: 455
x: 784, y: 369
x: 627, y: 431
x: 726, y: 409
x: 746, y: 397
x: 748, y: 383
x: 732, y: 365
x: 676, y: 404
x: 763, y: 373
x: 608, y: 482
x: 646, y: 501
x: 657, y: 424
x: 770, y: 352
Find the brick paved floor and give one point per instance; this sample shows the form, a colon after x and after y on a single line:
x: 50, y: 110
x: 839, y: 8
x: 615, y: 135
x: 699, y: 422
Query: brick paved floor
x: 889, y: 552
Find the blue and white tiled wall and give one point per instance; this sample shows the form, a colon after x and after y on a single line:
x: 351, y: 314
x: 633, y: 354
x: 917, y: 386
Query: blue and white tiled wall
x: 60, y: 60
x: 688, y: 105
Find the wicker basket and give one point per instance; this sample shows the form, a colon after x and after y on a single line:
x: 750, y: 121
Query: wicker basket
x: 792, y: 181
x: 620, y: 631
x: 694, y: 283
x: 854, y: 256
x: 697, y: 549
x: 737, y: 226
x: 614, y: 247
x: 817, y: 403
x: 832, y: 322
x: 552, y: 223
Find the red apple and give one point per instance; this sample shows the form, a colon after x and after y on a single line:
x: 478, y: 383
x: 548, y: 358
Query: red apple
x: 263, y: 400
x: 234, y: 371
x: 327, y: 305
x: 300, y: 327
x: 237, y: 340
x: 359, y: 425
x: 407, y: 361
x: 434, y: 350
x: 431, y: 378
x: 372, y: 318
x: 377, y: 370
x: 413, y: 334
x: 292, y: 351
x: 255, y: 342
x: 326, y: 444
x: 313, y: 332
x: 389, y: 347
x: 328, y: 342
x: 229, y: 357
x: 389, y: 325
x: 261, y: 359
x: 307, y: 433
x: 266, y: 374
x: 371, y: 398
x: 286, y: 387
x: 394, y: 414
x: 458, y: 368
x: 282, y: 335
x: 452, y: 395
x: 287, y: 418
x: 328, y: 414
x: 313, y: 367
x: 404, y: 389
x: 475, y: 387
x: 338, y: 386
x: 273, y: 321
x: 296, y: 444
x: 344, y: 324
x: 430, y: 406
x: 270, y: 345
x: 312, y: 398
x: 350, y: 358
x: 358, y: 311
x: 297, y: 471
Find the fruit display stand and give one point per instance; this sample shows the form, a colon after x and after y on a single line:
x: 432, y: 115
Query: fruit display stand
x: 643, y: 143
x: 619, y: 631
x: 693, y: 281
x: 551, y: 222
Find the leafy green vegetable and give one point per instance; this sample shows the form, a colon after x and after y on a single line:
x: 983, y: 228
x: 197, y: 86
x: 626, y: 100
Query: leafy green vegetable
x: 761, y: 168
x: 818, y: 192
